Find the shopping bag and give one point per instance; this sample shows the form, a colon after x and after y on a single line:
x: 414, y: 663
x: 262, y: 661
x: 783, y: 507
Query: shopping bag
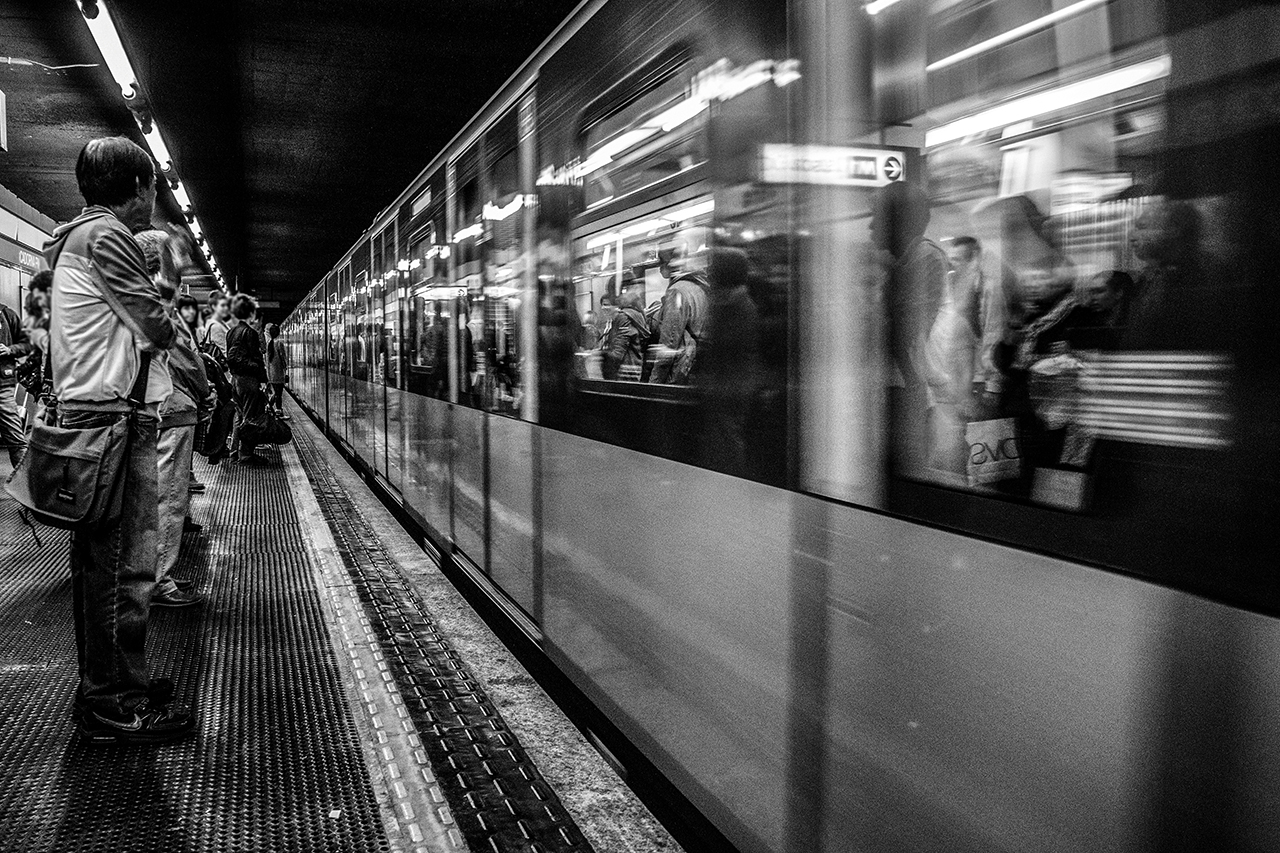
x: 994, y: 452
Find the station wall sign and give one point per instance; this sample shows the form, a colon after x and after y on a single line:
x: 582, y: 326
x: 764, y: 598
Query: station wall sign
x: 832, y: 165
x: 13, y: 254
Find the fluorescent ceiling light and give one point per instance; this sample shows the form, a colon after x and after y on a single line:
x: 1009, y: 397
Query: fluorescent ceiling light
x: 1016, y: 33
x: 158, y: 149
x: 691, y: 212
x: 1051, y: 100
x: 181, y: 197
x: 103, y: 30
x: 682, y: 112
x: 496, y: 214
x: 878, y: 6
x: 107, y: 37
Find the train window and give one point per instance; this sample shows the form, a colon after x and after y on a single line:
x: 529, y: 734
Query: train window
x: 504, y: 267
x: 1014, y: 266
x: 468, y: 268
x: 1056, y: 293
x: 621, y: 275
x: 659, y: 134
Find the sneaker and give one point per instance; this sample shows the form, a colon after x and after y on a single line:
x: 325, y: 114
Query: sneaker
x: 189, y: 526
x: 177, y: 598
x: 159, y: 692
x: 250, y: 460
x: 150, y: 722
x: 196, y: 488
x: 183, y: 584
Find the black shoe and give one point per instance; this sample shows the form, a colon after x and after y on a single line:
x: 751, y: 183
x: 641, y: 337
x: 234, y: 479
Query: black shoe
x: 177, y: 598
x: 149, y: 723
x: 196, y: 488
x: 252, y: 460
x: 159, y: 692
x: 189, y: 526
x: 218, y: 456
x: 184, y: 584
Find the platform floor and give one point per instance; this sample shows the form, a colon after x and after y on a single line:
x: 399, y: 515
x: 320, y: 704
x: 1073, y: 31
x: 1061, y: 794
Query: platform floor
x: 347, y: 698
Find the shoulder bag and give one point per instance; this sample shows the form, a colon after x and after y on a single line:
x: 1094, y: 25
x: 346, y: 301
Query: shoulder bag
x: 73, y: 479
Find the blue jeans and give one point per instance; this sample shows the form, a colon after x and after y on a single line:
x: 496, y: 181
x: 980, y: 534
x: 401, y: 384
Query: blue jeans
x: 113, y: 576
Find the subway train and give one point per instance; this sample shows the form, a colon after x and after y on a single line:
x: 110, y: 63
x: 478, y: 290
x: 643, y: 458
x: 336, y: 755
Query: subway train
x: 818, y: 386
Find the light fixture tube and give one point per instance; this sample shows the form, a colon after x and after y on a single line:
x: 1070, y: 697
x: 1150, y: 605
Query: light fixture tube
x: 878, y: 6
x: 158, y: 149
x: 107, y: 38
x: 1051, y: 100
x: 104, y: 33
x: 1016, y: 33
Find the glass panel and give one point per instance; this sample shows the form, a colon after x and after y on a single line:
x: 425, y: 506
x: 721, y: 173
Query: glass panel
x: 467, y: 433
x: 378, y: 280
x: 660, y: 134
x: 505, y: 267
x: 427, y: 457
x: 511, y: 556
x: 344, y: 344
x: 429, y: 296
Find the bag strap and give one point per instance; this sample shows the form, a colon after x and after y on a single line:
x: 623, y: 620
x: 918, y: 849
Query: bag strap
x: 138, y: 393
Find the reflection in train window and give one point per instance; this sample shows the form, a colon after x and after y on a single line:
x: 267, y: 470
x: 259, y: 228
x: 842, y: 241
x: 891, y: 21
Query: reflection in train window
x: 1018, y: 278
x: 621, y: 276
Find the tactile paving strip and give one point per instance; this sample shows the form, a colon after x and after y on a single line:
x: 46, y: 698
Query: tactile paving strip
x: 277, y: 764
x: 497, y: 796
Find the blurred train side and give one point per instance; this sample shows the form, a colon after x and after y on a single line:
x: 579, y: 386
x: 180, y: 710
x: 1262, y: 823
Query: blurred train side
x: 821, y: 649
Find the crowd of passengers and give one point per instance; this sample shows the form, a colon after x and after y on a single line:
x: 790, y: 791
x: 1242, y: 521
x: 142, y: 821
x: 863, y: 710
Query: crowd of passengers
x: 969, y: 337
x: 109, y: 336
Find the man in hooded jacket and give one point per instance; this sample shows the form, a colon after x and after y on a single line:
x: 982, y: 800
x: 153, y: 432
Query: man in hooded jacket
x: 107, y: 320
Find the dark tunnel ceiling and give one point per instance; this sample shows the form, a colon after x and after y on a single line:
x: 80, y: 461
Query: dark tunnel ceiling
x: 292, y: 122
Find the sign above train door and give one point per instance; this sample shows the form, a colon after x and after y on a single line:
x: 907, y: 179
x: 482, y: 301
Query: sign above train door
x: 832, y: 165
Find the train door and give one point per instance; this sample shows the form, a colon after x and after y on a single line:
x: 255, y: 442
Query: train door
x: 343, y: 341
x: 363, y: 369
x: 380, y: 283
x: 509, y: 297
x: 467, y: 359
x: 428, y: 312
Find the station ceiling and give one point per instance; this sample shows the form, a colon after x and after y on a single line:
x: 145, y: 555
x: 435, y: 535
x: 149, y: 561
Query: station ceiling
x: 292, y: 123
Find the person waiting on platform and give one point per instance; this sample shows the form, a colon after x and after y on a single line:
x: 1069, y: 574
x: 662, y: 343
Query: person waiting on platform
x: 219, y: 322
x: 14, y: 345
x: 277, y: 369
x: 36, y: 322
x: 248, y: 374
x: 166, y: 254
x: 107, y: 322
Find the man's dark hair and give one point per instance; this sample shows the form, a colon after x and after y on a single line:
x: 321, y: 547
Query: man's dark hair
x: 970, y: 245
x: 243, y: 306
x: 110, y: 170
x: 42, y: 280
x: 273, y: 329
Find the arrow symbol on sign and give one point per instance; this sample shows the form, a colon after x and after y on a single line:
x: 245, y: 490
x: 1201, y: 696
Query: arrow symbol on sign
x: 892, y: 168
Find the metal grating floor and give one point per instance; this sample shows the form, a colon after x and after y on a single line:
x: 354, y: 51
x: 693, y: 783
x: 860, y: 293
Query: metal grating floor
x: 497, y: 794
x: 277, y: 764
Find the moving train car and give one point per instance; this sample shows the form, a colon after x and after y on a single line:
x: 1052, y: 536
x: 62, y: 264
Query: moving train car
x: 867, y: 407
